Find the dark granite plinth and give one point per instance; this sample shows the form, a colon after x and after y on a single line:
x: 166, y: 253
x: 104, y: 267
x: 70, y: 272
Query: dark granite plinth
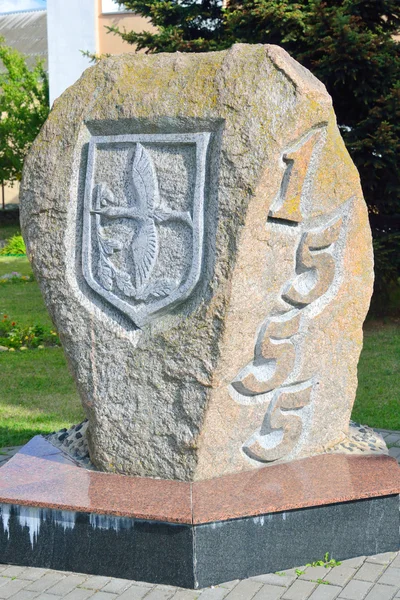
x: 54, y: 514
x: 89, y: 543
x: 242, y: 548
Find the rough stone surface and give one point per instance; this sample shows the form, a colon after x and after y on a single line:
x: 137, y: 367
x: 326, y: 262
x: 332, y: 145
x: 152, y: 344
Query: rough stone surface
x: 361, y: 439
x: 200, y: 238
x: 74, y: 441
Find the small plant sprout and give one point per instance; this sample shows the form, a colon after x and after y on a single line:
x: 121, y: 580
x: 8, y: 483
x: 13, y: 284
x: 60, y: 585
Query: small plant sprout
x: 327, y: 562
x: 299, y: 572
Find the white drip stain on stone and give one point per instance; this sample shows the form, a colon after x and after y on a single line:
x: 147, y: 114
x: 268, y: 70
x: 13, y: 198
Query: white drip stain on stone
x: 66, y: 519
x: 32, y: 518
x: 217, y: 524
x: 5, y: 517
x: 108, y: 522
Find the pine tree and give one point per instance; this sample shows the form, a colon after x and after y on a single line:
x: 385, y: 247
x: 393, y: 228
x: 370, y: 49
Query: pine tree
x: 184, y: 26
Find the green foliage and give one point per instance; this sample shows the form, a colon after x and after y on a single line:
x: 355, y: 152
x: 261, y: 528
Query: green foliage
x: 23, y: 300
x: 24, y: 106
x: 348, y: 44
x: 38, y: 395
x: 7, y: 230
x: 15, y: 247
x: 327, y: 563
x: 15, y: 277
x: 183, y: 25
x: 21, y: 337
x: 19, y: 264
x: 378, y: 393
x: 387, y: 263
x: 93, y: 57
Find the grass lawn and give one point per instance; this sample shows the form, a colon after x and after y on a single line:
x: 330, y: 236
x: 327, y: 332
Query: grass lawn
x: 378, y: 395
x: 21, y: 301
x: 8, y: 264
x: 37, y: 393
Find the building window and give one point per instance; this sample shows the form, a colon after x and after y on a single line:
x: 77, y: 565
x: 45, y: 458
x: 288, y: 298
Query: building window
x: 109, y: 6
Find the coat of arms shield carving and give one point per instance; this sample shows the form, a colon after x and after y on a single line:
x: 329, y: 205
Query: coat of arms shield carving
x: 143, y: 224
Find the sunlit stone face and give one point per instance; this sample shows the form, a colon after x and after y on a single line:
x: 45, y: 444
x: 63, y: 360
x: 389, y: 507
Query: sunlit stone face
x: 200, y: 237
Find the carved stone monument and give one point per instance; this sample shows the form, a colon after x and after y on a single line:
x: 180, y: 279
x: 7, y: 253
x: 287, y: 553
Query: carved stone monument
x: 200, y: 237
x: 199, y: 234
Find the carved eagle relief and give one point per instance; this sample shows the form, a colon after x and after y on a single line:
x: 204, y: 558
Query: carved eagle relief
x: 145, y: 242
x: 144, y: 220
x: 145, y: 211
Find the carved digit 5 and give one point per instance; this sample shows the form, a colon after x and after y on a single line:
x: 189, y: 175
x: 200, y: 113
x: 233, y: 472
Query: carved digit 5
x: 276, y: 419
x: 274, y: 347
x: 315, y: 268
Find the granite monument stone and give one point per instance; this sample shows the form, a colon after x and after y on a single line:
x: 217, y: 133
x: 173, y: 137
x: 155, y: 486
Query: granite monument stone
x: 199, y: 234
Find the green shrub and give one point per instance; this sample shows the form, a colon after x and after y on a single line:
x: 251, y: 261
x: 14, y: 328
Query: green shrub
x: 386, y: 296
x: 22, y: 337
x: 387, y: 261
x: 15, y: 247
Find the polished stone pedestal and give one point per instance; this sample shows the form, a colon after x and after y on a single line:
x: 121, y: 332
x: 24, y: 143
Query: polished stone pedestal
x: 55, y: 514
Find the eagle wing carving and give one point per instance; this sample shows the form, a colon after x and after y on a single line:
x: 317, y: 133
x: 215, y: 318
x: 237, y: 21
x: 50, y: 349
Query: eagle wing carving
x: 145, y: 240
x: 145, y: 250
x: 144, y: 181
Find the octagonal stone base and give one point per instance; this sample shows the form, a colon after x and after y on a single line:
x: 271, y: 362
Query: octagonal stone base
x: 55, y: 514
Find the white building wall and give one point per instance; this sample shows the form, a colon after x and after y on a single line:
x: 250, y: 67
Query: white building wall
x: 71, y: 27
x: 110, y: 6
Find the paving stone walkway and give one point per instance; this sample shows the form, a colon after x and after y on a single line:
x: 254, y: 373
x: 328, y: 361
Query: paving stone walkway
x: 363, y: 578
x: 372, y: 578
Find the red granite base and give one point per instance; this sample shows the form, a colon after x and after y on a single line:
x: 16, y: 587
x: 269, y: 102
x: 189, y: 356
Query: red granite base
x: 41, y: 475
x: 56, y: 514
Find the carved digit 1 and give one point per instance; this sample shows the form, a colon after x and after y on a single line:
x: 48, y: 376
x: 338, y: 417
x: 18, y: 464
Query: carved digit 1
x: 277, y: 419
x: 316, y: 269
x: 287, y: 205
x: 274, y: 346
